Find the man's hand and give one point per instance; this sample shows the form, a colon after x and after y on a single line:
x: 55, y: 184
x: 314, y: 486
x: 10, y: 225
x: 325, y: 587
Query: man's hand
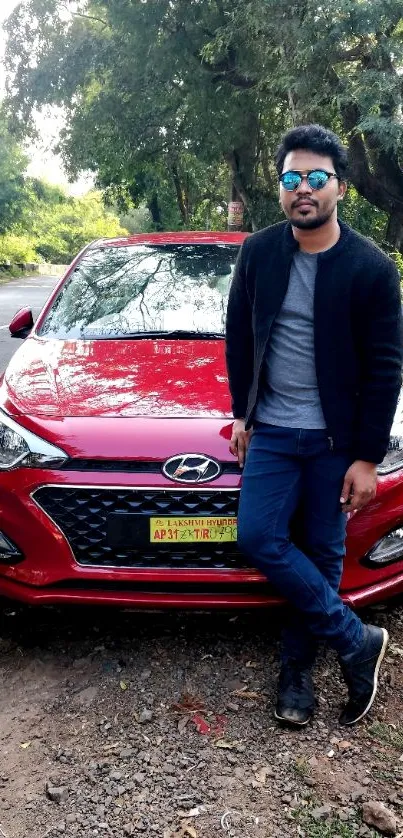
x: 239, y: 441
x: 359, y: 486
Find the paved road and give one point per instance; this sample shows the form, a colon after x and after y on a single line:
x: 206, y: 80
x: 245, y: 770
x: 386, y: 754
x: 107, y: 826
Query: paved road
x: 28, y: 291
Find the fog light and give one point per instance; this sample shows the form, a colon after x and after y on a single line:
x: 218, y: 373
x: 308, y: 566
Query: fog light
x: 9, y: 553
x: 389, y: 549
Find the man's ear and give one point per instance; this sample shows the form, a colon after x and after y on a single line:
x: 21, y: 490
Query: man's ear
x: 342, y: 190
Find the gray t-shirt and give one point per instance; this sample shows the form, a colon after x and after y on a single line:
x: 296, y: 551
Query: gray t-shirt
x: 290, y: 396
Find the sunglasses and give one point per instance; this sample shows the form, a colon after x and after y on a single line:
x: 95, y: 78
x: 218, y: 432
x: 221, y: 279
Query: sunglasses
x: 317, y: 179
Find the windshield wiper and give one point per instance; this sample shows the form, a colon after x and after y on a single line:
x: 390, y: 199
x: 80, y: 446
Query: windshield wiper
x: 184, y: 334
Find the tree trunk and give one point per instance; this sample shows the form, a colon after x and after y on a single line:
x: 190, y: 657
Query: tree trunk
x: 155, y: 211
x: 394, y: 231
x: 376, y: 175
x: 183, y: 209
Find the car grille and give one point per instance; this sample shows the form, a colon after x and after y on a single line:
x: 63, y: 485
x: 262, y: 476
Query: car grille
x: 82, y: 515
x: 129, y: 466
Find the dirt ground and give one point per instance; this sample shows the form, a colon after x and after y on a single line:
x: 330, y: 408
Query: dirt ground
x: 116, y: 723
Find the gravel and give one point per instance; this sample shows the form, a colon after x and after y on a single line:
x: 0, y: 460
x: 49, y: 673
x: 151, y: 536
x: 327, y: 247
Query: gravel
x: 117, y: 723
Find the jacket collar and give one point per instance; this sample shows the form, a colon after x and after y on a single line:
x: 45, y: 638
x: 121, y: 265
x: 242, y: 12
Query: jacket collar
x: 290, y: 244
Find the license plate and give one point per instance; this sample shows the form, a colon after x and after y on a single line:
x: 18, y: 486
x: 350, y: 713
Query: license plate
x: 192, y: 529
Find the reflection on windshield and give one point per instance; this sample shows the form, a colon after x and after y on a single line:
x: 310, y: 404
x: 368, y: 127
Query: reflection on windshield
x: 118, y: 291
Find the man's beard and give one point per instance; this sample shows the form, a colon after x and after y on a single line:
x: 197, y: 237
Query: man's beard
x: 310, y: 223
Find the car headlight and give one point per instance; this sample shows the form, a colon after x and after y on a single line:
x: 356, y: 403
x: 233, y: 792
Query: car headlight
x: 19, y: 447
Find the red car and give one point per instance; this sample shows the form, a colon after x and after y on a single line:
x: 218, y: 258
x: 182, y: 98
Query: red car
x: 117, y: 485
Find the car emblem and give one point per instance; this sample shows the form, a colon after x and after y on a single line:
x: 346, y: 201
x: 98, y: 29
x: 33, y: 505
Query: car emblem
x: 191, y: 468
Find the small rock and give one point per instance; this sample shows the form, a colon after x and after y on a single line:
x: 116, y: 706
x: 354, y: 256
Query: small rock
x: 357, y: 794
x: 322, y: 813
x: 235, y: 684
x: 143, y: 717
x: 145, y: 674
x: 56, y: 793
x: 310, y: 781
x: 87, y: 696
x: 365, y: 781
x: 116, y: 775
x: 376, y: 814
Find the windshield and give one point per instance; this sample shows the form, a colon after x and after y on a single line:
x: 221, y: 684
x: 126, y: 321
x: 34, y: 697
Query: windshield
x: 129, y: 291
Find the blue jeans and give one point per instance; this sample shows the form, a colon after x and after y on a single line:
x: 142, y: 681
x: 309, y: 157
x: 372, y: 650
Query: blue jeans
x: 288, y: 469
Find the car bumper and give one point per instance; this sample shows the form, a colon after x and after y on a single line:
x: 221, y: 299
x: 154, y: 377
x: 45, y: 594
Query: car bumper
x: 125, y: 597
x: 50, y: 573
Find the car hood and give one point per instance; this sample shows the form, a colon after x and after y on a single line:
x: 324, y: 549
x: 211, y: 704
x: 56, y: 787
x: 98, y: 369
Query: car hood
x: 127, y: 378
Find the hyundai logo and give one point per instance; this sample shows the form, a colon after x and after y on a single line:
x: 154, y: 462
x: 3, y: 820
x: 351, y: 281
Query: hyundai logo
x: 191, y: 468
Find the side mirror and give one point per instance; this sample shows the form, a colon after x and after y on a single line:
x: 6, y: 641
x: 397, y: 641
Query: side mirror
x: 21, y: 323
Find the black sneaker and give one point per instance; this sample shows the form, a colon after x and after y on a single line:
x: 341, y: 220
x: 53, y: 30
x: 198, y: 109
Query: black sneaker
x: 295, y: 697
x: 360, y: 671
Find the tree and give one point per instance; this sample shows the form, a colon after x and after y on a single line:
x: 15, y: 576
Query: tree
x: 340, y: 63
x: 13, y: 193
x: 53, y: 226
x: 159, y: 95
x: 142, y: 109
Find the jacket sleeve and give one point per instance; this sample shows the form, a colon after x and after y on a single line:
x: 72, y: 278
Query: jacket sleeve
x: 239, y: 339
x: 381, y: 366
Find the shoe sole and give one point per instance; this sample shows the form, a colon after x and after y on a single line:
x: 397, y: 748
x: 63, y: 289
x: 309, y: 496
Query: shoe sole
x: 374, y: 691
x: 291, y: 721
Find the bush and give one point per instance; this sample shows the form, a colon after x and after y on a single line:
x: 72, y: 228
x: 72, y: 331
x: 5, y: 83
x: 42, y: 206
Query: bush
x: 17, y: 248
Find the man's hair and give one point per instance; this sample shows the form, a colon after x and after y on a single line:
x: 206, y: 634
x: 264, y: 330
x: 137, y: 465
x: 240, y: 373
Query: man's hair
x: 314, y: 138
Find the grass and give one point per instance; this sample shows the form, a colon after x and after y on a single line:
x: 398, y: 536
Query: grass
x: 383, y: 775
x: 388, y: 734
x: 302, y: 767
x: 329, y: 828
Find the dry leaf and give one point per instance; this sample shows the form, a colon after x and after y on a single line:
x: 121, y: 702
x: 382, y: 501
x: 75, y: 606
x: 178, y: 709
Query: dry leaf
x: 189, y: 703
x: 182, y: 723
x: 251, y: 664
x: 248, y: 694
x: 224, y: 743
x: 190, y: 830
x: 123, y: 685
x: 344, y: 745
x: 25, y: 745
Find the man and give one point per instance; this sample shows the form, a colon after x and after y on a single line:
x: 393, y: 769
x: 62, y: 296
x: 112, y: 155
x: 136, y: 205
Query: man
x: 314, y: 355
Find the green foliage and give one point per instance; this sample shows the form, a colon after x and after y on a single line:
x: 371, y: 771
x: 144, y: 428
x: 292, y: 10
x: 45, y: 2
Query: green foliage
x: 17, y: 248
x: 135, y: 220
x: 398, y: 258
x: 180, y: 104
x: 330, y: 827
x: 59, y: 226
x: 12, y: 184
x: 363, y: 216
x: 61, y: 230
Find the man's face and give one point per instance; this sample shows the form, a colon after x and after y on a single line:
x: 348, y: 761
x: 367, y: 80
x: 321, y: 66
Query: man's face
x: 305, y: 207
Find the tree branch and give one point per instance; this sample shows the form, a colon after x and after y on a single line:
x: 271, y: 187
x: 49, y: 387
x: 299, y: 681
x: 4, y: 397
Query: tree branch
x: 365, y: 181
x: 87, y: 17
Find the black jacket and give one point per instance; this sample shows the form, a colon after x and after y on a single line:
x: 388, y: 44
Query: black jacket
x: 357, y: 333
